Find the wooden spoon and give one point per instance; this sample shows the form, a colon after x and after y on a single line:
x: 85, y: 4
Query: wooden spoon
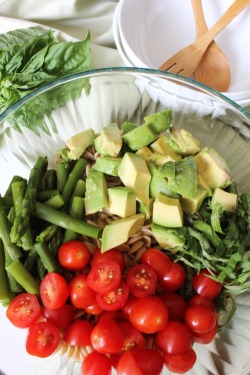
x: 186, y: 60
x: 213, y: 69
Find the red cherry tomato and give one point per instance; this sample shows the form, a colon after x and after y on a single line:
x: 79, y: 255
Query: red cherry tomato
x: 205, y: 286
x: 175, y: 303
x: 114, y: 315
x: 200, y: 319
x: 81, y: 295
x: 78, y: 333
x: 54, y: 291
x: 132, y: 337
x: 158, y: 260
x: 197, y: 299
x: 173, y: 279
x: 140, y: 362
x: 112, y: 254
x: 94, y: 309
x: 128, y: 305
x: 149, y: 314
x: 175, y: 338
x: 23, y: 310
x: 43, y: 339
x: 205, y: 338
x: 104, y: 276
x: 115, y: 299
x: 181, y: 363
x: 141, y: 280
x: 107, y: 337
x: 96, y: 363
x: 73, y: 255
x: 60, y: 318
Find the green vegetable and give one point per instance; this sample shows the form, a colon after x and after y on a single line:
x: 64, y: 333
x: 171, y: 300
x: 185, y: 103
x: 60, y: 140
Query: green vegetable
x: 4, y: 287
x: 23, y: 277
x: 47, y: 258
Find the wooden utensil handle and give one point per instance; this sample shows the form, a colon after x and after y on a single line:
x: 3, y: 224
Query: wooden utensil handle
x: 200, y: 22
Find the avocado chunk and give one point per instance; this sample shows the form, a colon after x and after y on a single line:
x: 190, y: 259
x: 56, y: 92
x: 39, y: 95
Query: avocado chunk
x: 122, y: 201
x: 167, y: 211
x: 149, y: 156
x: 118, y: 231
x: 139, y: 137
x: 96, y: 195
x: 78, y: 143
x: 202, y: 183
x: 160, y: 121
x: 147, y: 210
x: 191, y: 206
x: 127, y: 126
x: 159, y: 184
x: 213, y: 168
x: 183, y: 142
x: 228, y: 201
x: 107, y: 165
x: 134, y: 173
x: 109, y: 141
x: 161, y: 146
x: 168, y: 238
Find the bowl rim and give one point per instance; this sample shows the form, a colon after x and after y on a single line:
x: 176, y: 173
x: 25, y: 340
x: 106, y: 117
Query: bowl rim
x: 134, y: 70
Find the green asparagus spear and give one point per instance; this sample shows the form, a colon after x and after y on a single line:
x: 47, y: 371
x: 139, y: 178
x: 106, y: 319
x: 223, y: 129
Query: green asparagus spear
x: 57, y: 201
x: 51, y: 179
x: 48, y: 259
x: 73, y: 177
x: 23, y: 277
x: 62, y: 174
x: 76, y: 210
x: 4, y: 287
x: 13, y: 284
x: 9, y: 189
x: 46, y: 194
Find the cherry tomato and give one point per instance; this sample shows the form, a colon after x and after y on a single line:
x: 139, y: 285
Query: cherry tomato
x: 197, y: 299
x: 175, y: 338
x: 73, y: 255
x: 128, y: 305
x: 173, y: 279
x: 116, y: 315
x: 205, y: 338
x: 78, y: 333
x: 104, y: 277
x: 205, y: 286
x: 181, y: 363
x: 81, y: 295
x: 200, y: 319
x: 132, y: 337
x: 141, y: 280
x: 149, y: 314
x: 158, y: 260
x: 112, y: 254
x: 94, y: 309
x: 115, y: 299
x: 23, y: 310
x: 175, y: 303
x: 60, y: 318
x: 42, y: 340
x: 107, y: 337
x: 96, y: 363
x: 140, y: 362
x: 54, y: 291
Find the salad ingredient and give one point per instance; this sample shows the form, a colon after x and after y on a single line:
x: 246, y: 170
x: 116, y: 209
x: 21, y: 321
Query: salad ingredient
x: 104, y: 277
x: 81, y: 295
x: 140, y: 361
x: 73, y: 255
x: 141, y: 280
x: 205, y: 285
x: 78, y: 333
x: 54, y: 291
x: 167, y: 212
x: 112, y: 254
x: 78, y: 143
x: 180, y: 363
x: 122, y: 201
x: 132, y: 338
x: 24, y: 310
x: 157, y: 259
x: 200, y: 318
x: 42, y: 339
x: 197, y: 299
x: 175, y: 303
x: 61, y: 317
x: 109, y: 141
x: 205, y: 338
x: 173, y: 279
x: 107, y: 337
x: 96, y: 363
x: 175, y: 338
x: 96, y: 196
x: 23, y: 277
x: 115, y: 299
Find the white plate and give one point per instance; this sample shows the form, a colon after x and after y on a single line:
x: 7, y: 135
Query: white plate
x: 146, y: 26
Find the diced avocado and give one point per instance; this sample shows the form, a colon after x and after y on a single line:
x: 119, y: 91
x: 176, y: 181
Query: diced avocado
x: 78, y: 143
x: 183, y: 142
x: 96, y: 195
x: 167, y: 170
x: 168, y: 238
x: 122, y: 201
x: 147, y: 210
x: 159, y: 184
x: 139, y: 137
x: 149, y: 156
x: 134, y: 173
x: 160, y: 121
x: 108, y: 165
x: 228, y: 201
x: 167, y: 211
x: 193, y: 205
x: 119, y: 231
x: 185, y: 179
x: 213, y: 168
x: 161, y: 146
x: 127, y: 126
x: 109, y: 141
x: 145, y: 152
x: 202, y: 183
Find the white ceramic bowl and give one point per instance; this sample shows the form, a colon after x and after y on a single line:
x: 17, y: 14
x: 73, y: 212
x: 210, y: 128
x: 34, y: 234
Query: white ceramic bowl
x: 152, y: 31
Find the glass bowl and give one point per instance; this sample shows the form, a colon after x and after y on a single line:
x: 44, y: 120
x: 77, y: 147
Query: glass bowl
x: 41, y: 123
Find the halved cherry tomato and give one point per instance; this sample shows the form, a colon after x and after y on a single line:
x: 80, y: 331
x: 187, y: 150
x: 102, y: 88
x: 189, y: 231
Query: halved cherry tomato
x: 96, y: 363
x: 158, y: 260
x: 78, y: 333
x: 42, y: 340
x: 205, y: 286
x: 60, y: 318
x: 149, y: 314
x: 73, y: 255
x: 107, y: 337
x: 175, y: 338
x: 115, y: 299
x: 173, y: 279
x: 141, y: 280
x: 180, y: 363
x: 54, y: 291
x: 141, y: 361
x: 200, y: 319
x: 112, y: 254
x: 81, y: 295
x: 132, y: 337
x: 23, y: 310
x: 175, y: 303
x: 104, y: 277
